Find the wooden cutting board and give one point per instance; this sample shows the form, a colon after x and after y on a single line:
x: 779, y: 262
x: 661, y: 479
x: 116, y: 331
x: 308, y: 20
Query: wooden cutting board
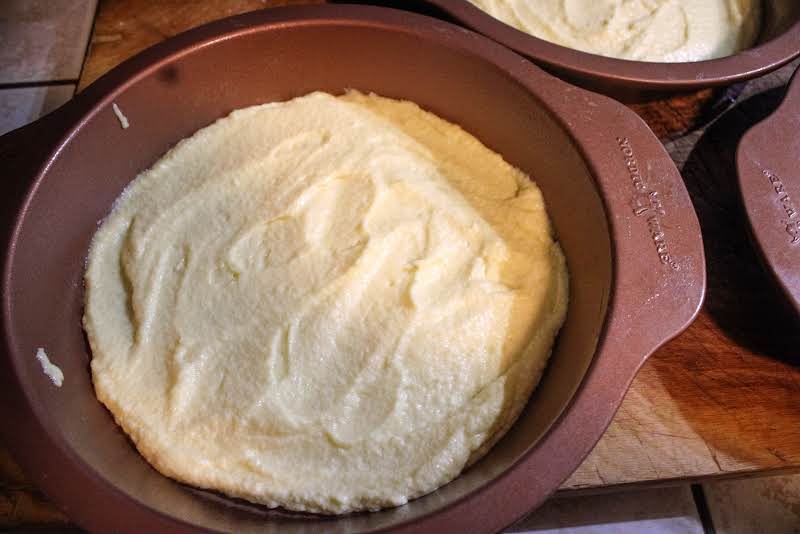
x: 723, y: 399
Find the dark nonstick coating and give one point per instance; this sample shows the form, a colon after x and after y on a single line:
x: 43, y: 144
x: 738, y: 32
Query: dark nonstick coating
x: 767, y: 161
x: 620, y: 209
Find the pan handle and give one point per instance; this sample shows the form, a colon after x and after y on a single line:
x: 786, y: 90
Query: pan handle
x: 659, y: 275
x: 766, y: 163
x: 23, y: 154
x: 22, y: 151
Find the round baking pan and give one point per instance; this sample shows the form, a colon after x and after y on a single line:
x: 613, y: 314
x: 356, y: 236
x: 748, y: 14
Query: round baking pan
x: 778, y: 43
x: 619, y: 207
x: 767, y: 161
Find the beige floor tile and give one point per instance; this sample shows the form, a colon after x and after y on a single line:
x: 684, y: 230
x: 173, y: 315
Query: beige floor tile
x: 755, y: 505
x: 43, y: 40
x: 21, y: 106
x: 662, y: 511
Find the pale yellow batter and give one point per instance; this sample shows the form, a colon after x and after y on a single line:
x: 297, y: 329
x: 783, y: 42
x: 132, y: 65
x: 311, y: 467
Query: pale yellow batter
x: 327, y: 304
x: 668, y: 31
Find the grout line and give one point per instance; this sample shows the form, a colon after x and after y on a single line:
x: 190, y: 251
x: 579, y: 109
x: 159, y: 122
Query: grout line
x: 88, y: 46
x: 703, y: 511
x: 47, y: 83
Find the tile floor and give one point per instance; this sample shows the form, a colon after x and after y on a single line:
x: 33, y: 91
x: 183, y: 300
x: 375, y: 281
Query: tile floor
x: 662, y: 511
x: 21, y: 105
x: 43, y: 40
x: 42, y: 47
x: 769, y: 504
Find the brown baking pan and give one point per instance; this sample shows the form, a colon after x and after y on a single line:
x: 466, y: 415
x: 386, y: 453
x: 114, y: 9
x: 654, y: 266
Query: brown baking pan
x: 617, y: 202
x: 768, y: 165
x: 630, y: 81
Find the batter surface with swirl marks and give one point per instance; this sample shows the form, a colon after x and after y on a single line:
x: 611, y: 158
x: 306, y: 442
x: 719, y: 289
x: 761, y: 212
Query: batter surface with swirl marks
x: 328, y: 304
x: 669, y: 31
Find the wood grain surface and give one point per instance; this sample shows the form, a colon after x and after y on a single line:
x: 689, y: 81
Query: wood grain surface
x: 723, y: 399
